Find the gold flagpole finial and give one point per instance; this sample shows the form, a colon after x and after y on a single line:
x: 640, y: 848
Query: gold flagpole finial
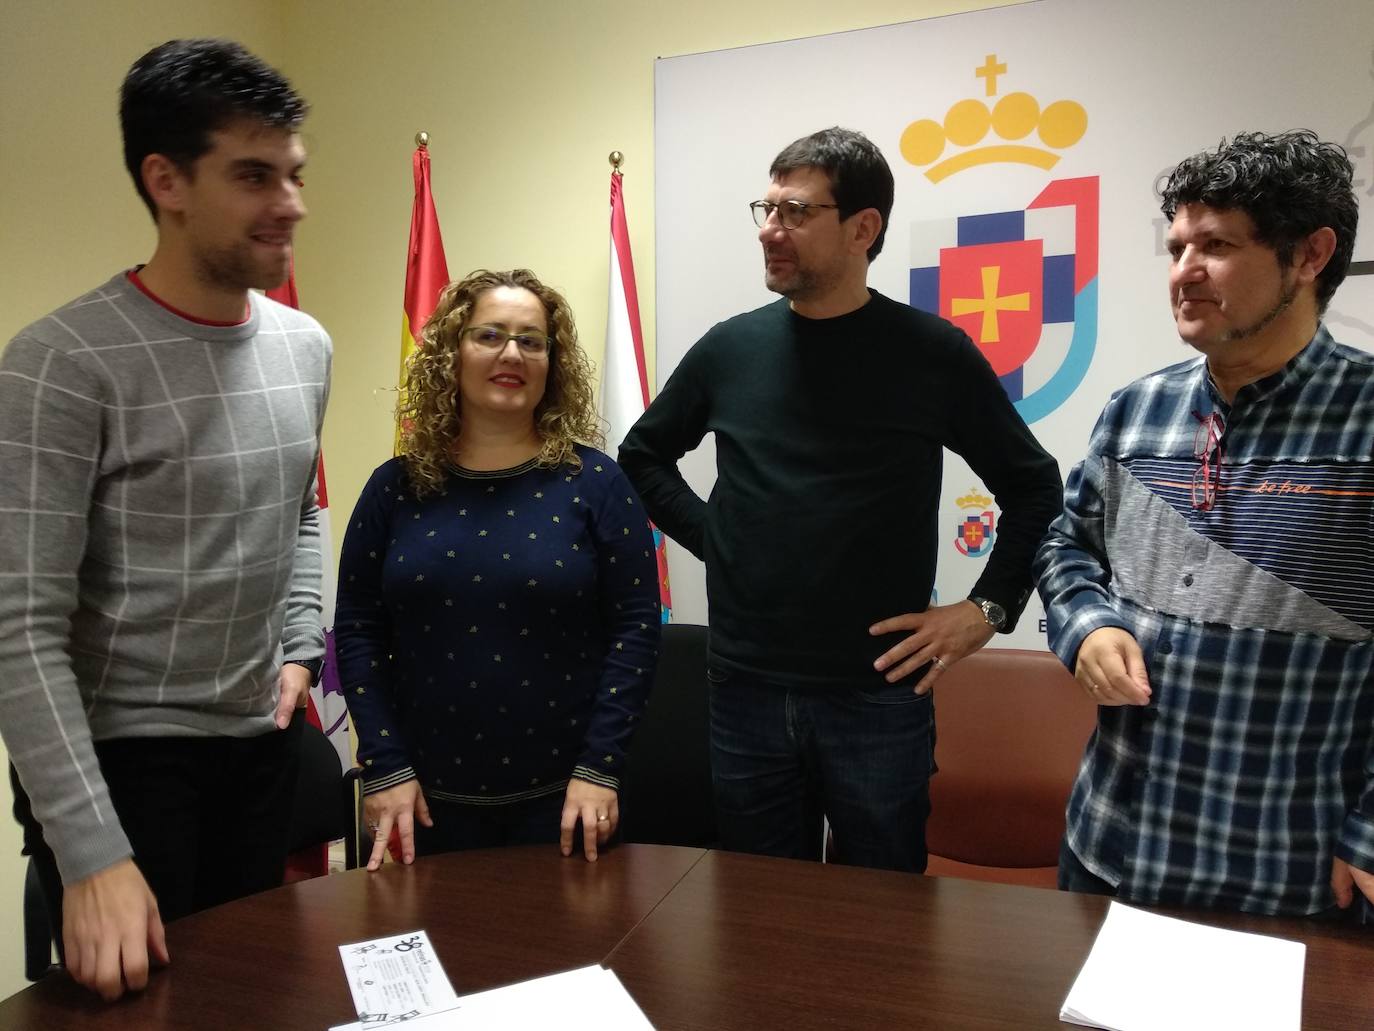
x: 617, y: 159
x: 422, y: 139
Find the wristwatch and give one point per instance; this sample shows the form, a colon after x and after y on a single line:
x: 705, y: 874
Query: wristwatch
x: 995, y: 615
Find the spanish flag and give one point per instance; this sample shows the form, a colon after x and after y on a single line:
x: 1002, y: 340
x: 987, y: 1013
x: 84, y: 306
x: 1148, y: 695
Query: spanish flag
x: 426, y: 270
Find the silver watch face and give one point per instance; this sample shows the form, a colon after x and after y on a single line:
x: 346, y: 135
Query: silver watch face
x: 993, y: 613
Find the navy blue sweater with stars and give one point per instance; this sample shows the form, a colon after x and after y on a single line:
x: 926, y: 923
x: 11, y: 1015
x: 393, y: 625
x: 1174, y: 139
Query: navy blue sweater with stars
x: 497, y: 637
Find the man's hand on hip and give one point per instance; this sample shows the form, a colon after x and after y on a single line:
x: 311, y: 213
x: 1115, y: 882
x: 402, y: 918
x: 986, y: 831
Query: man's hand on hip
x: 295, y: 681
x: 1111, y: 668
x: 941, y: 636
x: 110, y: 927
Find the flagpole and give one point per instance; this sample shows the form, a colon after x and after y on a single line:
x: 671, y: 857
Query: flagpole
x: 625, y: 383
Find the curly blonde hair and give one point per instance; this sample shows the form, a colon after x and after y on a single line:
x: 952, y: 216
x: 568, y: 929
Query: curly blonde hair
x: 430, y: 409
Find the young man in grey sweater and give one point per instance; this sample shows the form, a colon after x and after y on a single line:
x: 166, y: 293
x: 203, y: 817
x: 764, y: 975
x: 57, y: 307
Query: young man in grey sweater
x: 159, y: 534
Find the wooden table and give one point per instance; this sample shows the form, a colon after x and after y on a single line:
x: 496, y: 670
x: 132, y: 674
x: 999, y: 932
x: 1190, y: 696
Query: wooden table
x: 700, y: 939
x: 747, y: 942
x: 272, y: 960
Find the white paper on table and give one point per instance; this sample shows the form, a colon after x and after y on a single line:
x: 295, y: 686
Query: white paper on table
x: 585, y: 999
x: 395, y: 979
x: 1154, y: 973
x: 590, y: 998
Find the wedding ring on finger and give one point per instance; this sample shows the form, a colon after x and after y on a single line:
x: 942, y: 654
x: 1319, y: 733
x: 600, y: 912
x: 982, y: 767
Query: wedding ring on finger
x: 602, y: 818
x: 940, y: 663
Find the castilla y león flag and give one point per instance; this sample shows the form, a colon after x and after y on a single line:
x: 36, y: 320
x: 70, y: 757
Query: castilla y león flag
x: 624, y: 383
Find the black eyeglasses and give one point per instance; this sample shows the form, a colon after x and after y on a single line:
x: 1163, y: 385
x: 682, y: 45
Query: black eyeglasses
x: 1207, y: 449
x: 791, y: 213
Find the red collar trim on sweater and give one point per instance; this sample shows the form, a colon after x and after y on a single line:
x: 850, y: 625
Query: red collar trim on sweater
x: 133, y: 277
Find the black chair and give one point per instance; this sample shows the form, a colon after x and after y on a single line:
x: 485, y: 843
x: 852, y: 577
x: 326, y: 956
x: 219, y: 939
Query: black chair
x: 328, y: 801
x: 38, y: 936
x: 665, y: 795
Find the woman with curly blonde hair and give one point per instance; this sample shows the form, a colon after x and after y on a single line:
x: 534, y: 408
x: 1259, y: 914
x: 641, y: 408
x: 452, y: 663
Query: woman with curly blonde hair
x: 497, y: 618
x: 430, y: 412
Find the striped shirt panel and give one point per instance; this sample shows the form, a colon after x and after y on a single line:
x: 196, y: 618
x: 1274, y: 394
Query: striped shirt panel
x: 1277, y: 513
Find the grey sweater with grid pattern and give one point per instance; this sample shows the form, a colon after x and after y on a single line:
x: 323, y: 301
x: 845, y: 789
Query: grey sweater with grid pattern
x: 159, y: 539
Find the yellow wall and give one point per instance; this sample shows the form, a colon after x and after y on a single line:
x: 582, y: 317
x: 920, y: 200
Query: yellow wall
x: 523, y: 100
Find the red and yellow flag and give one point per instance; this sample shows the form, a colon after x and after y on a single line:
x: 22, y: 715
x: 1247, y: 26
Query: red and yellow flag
x: 426, y: 270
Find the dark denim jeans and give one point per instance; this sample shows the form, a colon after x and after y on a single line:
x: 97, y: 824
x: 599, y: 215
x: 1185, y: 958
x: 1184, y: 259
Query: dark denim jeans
x: 782, y: 759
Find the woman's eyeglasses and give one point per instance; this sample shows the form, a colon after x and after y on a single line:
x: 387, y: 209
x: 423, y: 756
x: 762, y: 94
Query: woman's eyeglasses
x: 494, y: 340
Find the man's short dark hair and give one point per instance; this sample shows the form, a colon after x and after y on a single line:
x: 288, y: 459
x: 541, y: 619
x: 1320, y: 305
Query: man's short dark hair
x: 1290, y: 184
x: 178, y: 93
x: 858, y: 172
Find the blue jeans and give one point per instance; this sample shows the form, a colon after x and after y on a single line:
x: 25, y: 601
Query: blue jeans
x: 782, y: 758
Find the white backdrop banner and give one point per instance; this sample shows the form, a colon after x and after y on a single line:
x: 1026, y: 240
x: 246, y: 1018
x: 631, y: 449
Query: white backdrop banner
x: 1027, y: 143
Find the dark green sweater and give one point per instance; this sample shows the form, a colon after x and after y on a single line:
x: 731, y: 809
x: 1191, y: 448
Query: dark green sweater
x: 823, y: 518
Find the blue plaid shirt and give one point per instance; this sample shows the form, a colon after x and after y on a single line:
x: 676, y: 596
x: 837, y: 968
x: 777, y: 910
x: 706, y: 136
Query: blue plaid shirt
x: 1250, y: 768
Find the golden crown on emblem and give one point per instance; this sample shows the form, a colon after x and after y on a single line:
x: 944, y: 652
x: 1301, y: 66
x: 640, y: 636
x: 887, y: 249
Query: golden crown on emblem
x: 1013, y: 117
x: 973, y: 499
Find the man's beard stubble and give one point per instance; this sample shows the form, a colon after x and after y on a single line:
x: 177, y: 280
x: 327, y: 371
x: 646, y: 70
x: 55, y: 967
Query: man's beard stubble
x: 1286, y: 297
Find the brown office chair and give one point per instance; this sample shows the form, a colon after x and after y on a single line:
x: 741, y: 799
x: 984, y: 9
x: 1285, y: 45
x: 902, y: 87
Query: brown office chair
x: 1010, y: 726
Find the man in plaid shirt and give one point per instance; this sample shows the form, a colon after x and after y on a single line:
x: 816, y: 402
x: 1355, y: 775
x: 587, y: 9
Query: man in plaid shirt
x: 1210, y: 582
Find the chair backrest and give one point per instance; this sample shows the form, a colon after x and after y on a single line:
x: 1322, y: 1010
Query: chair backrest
x: 666, y: 796
x: 319, y: 813
x: 38, y: 936
x: 1010, y: 728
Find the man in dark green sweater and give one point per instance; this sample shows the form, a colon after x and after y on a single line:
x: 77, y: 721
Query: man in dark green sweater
x: 831, y: 409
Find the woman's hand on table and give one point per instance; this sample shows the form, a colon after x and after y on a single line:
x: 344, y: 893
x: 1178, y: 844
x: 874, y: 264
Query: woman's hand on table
x: 395, y: 808
x: 599, y: 810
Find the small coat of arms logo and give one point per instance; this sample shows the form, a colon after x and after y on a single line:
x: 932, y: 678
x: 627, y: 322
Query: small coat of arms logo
x: 977, y: 526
